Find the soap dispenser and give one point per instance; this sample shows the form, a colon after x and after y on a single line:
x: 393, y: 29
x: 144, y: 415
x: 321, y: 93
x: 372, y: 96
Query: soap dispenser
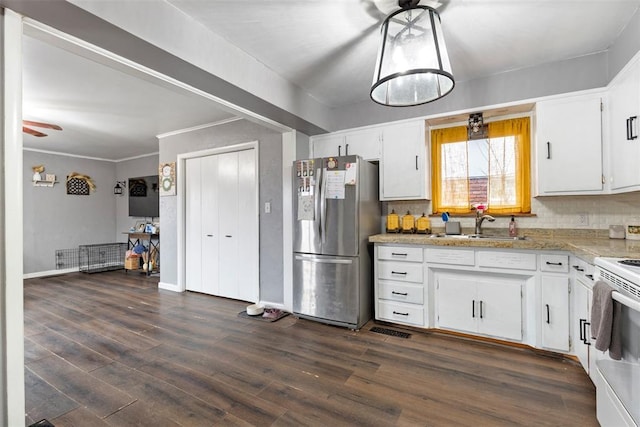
x: 513, y: 229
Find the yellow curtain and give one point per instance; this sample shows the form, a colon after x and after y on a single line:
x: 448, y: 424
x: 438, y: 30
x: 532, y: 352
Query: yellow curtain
x: 452, y: 194
x: 519, y: 129
x: 447, y: 195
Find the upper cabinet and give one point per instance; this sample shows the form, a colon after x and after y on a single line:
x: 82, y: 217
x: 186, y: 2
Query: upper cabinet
x: 624, y: 98
x: 400, y: 148
x: 364, y: 142
x: 569, y: 146
x: 404, y: 171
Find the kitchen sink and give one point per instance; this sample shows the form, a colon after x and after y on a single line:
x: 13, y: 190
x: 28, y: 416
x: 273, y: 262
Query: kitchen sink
x: 477, y: 236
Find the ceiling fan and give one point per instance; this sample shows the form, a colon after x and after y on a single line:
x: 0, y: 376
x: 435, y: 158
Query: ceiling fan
x: 30, y: 131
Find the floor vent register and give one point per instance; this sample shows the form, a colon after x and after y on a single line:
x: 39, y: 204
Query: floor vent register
x: 391, y: 332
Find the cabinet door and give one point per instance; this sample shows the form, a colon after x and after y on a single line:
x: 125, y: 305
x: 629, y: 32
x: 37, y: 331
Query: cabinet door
x: 364, y: 143
x: 456, y: 302
x: 500, y: 308
x: 403, y: 166
x: 624, y: 103
x: 327, y: 146
x: 569, y: 146
x: 209, y: 199
x: 555, y: 312
x: 581, y: 320
x: 229, y: 262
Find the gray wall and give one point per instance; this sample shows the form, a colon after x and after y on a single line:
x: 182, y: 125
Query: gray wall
x: 143, y: 166
x: 270, y: 175
x: 302, y: 146
x: 585, y: 72
x: 55, y: 220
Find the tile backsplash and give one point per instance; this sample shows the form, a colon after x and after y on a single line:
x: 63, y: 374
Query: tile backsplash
x: 549, y: 212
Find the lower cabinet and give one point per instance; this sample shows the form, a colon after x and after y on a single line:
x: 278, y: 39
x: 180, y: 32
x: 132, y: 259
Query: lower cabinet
x: 555, y: 312
x: 582, y: 323
x: 399, y: 291
x: 487, y: 305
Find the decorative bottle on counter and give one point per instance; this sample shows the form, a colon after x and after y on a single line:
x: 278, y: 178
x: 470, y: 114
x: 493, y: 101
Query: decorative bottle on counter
x: 393, y: 222
x: 408, y: 223
x: 513, y: 229
x: 423, y: 225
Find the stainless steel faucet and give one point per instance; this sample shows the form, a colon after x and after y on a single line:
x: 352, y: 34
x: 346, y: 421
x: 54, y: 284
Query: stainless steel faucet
x: 480, y: 219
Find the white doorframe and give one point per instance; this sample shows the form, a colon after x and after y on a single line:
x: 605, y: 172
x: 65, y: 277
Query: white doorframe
x: 288, y: 156
x: 181, y: 162
x: 12, y: 388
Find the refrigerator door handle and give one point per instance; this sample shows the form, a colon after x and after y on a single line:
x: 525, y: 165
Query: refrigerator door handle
x: 324, y: 260
x: 323, y: 208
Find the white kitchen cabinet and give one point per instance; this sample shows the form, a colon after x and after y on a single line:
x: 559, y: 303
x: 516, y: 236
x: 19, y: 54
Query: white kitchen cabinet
x: 404, y: 174
x: 330, y: 145
x: 569, y: 146
x: 554, y: 318
x: 221, y: 227
x: 624, y: 101
x: 399, y: 289
x: 487, y: 305
x: 582, y: 277
x: 363, y: 142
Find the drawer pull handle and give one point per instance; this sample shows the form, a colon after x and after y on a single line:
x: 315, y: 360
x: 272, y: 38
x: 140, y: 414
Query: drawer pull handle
x: 400, y: 314
x: 554, y: 263
x: 397, y: 254
x: 404, y: 273
x: 589, y: 276
x: 578, y: 268
x: 584, y: 329
x: 400, y: 293
x: 548, y: 318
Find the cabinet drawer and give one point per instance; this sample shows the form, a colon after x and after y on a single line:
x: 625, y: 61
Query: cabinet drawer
x: 510, y: 260
x: 400, y: 271
x: 400, y: 292
x: 450, y: 256
x: 556, y: 263
x: 400, y: 253
x: 398, y: 312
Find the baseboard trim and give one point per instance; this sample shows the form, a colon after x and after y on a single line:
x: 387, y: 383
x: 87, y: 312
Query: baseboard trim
x: 169, y: 287
x: 50, y: 273
x: 277, y: 305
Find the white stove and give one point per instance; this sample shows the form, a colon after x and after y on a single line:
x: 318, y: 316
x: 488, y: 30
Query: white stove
x: 618, y: 387
x: 622, y: 273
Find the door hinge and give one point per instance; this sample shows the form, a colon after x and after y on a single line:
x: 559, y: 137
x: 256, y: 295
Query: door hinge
x: 601, y: 106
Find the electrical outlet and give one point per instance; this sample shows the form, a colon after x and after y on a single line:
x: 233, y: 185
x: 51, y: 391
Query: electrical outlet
x: 267, y: 207
x: 583, y: 219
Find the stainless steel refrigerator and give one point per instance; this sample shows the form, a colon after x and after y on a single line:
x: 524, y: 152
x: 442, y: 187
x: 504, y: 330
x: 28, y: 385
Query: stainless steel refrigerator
x: 336, y: 209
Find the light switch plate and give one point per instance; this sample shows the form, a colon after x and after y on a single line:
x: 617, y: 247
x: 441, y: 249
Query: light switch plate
x: 267, y: 207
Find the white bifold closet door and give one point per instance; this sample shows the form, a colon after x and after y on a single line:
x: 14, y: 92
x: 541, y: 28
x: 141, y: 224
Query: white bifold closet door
x: 222, y: 227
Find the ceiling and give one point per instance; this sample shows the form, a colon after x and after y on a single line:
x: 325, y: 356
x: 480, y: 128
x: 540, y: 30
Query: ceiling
x: 326, y: 47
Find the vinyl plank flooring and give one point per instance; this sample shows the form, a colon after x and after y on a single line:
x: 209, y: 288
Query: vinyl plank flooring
x: 111, y: 349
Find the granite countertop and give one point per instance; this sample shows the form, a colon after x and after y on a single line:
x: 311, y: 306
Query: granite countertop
x: 585, y: 245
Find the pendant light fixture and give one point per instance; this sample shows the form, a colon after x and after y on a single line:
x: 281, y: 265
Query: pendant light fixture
x: 413, y: 65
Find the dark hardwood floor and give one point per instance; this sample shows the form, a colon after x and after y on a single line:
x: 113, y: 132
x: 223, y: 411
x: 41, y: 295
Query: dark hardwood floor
x: 111, y: 349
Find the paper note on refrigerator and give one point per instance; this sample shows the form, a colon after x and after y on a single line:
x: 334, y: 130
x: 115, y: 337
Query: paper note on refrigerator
x: 351, y: 173
x: 305, y: 208
x: 335, y: 184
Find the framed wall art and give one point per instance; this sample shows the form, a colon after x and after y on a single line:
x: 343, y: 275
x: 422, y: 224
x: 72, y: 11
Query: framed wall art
x: 167, y: 172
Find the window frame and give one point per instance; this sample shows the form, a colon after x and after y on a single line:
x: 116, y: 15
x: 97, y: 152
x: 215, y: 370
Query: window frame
x: 520, y: 128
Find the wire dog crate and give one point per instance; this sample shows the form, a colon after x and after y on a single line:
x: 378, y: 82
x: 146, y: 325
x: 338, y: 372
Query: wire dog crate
x: 101, y: 257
